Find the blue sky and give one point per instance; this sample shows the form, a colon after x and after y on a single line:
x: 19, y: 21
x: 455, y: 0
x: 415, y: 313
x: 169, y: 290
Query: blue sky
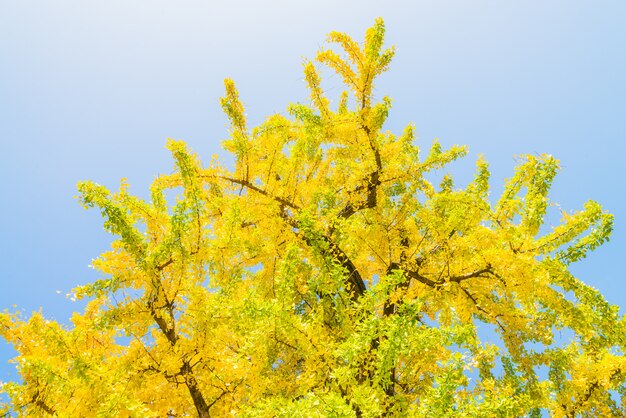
x: 91, y: 90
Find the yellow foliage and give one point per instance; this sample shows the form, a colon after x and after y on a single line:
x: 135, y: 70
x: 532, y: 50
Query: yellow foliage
x: 329, y: 275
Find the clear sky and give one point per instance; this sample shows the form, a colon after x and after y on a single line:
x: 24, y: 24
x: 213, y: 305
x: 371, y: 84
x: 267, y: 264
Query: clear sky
x: 91, y: 90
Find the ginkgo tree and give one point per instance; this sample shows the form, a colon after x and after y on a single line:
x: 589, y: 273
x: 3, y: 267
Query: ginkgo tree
x: 330, y: 273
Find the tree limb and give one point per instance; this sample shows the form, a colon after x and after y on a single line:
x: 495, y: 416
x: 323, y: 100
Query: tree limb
x: 477, y: 273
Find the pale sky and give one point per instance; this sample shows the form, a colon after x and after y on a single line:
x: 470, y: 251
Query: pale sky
x: 91, y: 90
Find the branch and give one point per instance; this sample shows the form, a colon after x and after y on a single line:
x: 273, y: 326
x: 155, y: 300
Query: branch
x: 480, y: 308
x: 594, y: 386
x: 41, y: 404
x: 477, y: 273
x: 424, y: 280
x: 168, y: 330
x: 354, y: 283
x: 392, y: 307
x: 202, y: 408
x: 247, y: 184
x: 370, y: 201
x: 372, y: 182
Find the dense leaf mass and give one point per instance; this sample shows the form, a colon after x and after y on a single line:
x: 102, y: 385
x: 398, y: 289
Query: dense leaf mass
x: 327, y: 275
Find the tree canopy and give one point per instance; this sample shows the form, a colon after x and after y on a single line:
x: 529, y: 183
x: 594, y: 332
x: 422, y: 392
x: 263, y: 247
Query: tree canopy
x: 333, y: 271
